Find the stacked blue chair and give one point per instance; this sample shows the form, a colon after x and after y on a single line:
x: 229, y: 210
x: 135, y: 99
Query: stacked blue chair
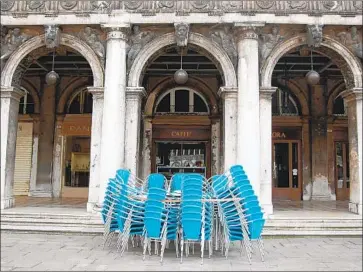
x: 251, y: 207
x: 195, y: 214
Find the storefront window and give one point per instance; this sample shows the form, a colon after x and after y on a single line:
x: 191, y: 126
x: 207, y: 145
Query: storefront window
x: 283, y: 103
x: 80, y: 103
x: 26, y: 105
x: 339, y: 107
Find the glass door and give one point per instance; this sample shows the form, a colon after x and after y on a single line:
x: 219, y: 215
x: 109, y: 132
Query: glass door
x: 286, y: 170
x: 342, y: 170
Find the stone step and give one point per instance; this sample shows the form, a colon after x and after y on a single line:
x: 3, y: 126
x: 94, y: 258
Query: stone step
x: 92, y: 223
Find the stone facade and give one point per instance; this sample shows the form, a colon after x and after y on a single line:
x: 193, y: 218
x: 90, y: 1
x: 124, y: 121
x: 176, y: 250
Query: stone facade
x: 243, y: 39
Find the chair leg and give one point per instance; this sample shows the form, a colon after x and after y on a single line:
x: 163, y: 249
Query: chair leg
x: 176, y: 246
x: 201, y: 249
x: 145, y: 246
x: 262, y: 253
x: 181, y: 250
x: 247, y: 252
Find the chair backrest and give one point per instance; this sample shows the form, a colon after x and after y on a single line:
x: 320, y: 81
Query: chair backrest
x: 154, y: 209
x: 156, y: 180
x: 176, y: 182
x: 123, y: 175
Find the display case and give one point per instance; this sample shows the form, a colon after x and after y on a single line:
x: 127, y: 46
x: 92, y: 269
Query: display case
x: 180, y: 157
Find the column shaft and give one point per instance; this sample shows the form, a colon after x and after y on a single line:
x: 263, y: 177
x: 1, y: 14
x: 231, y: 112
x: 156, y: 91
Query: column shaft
x: 248, y: 123
x: 113, y: 119
x: 57, y: 157
x: 133, y: 117
x: 96, y: 133
x: 35, y: 150
x: 10, y: 98
x: 266, y: 148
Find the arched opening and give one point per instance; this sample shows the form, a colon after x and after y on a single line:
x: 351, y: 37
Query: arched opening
x: 180, y: 120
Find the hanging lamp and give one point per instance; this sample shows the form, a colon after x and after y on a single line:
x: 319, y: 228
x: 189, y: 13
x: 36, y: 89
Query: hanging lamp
x: 312, y: 77
x: 52, y: 77
x: 181, y: 76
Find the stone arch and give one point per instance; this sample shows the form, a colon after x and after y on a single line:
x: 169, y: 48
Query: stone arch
x: 73, y: 86
x: 169, y: 83
x: 32, y: 91
x: 38, y: 41
x: 336, y: 90
x: 349, y: 65
x: 154, y: 49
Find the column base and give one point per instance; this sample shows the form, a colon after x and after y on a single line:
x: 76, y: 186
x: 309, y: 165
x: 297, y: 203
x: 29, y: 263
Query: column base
x: 40, y: 193
x: 93, y: 207
x: 267, y: 208
x: 355, y: 208
x: 7, y: 203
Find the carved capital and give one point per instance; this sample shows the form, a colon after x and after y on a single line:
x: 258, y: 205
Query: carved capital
x: 247, y: 31
x: 135, y: 92
x: 11, y: 93
x: 117, y: 32
x: 352, y: 95
x: 314, y: 35
x: 267, y: 92
x: 97, y: 92
x: 228, y: 92
x: 52, y: 36
x: 181, y: 34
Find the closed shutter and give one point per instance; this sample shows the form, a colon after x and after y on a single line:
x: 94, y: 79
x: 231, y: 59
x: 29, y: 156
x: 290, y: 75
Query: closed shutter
x: 23, y: 158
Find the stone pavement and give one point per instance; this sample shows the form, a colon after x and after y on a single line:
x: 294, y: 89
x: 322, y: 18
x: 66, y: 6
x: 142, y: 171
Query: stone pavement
x: 41, y: 252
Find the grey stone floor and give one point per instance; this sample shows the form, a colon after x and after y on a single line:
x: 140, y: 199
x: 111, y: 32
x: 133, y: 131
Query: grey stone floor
x: 41, y: 252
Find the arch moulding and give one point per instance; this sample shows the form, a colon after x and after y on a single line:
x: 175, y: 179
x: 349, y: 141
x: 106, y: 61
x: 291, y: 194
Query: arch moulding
x: 72, y: 87
x: 335, y: 92
x: 349, y: 64
x: 295, y: 88
x: 38, y: 41
x: 156, y: 45
x: 32, y: 91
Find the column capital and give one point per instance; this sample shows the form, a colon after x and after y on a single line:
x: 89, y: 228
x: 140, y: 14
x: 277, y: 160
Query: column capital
x: 247, y: 30
x: 267, y: 92
x: 117, y: 32
x: 135, y: 92
x: 225, y: 92
x: 12, y: 93
x: 353, y: 94
x: 97, y: 92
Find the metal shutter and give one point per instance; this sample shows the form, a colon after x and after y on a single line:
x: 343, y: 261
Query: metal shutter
x: 23, y: 158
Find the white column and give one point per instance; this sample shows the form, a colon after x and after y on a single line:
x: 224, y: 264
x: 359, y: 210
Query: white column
x: 10, y: 98
x: 248, y: 120
x: 216, y: 145
x: 229, y: 96
x: 34, y: 167
x: 113, y: 119
x: 353, y: 99
x: 266, y: 148
x: 58, y: 166
x: 96, y: 132
x: 134, y: 97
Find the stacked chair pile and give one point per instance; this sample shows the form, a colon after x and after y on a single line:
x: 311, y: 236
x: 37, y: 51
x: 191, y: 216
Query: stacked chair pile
x: 187, y: 210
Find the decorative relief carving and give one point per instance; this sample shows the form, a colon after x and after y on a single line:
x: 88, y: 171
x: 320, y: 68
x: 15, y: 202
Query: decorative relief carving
x: 138, y: 40
x: 314, y: 35
x: 6, y: 5
x: 352, y: 40
x: 358, y: 5
x: 297, y: 4
x: 133, y: 4
x: 68, y: 5
x: 266, y: 4
x: 246, y: 32
x: 224, y: 37
x: 12, y: 40
x: 35, y: 4
x: 181, y: 34
x: 101, y: 5
x: 331, y: 5
x: 52, y: 36
x: 200, y: 4
x: 93, y: 39
x: 166, y: 4
x: 269, y: 41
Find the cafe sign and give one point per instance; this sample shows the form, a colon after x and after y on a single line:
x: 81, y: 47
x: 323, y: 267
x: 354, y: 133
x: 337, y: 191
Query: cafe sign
x: 181, y: 134
x: 76, y: 128
x: 286, y: 134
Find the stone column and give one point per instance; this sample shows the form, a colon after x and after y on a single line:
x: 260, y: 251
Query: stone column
x: 10, y: 98
x: 96, y: 133
x: 114, y: 110
x: 229, y: 96
x: 266, y: 148
x: 34, y: 167
x: 146, y: 147
x: 248, y: 102
x: 216, y: 145
x: 134, y: 96
x: 58, y: 166
x: 353, y: 99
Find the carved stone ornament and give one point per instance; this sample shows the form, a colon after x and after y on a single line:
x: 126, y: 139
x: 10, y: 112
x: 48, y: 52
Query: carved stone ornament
x: 266, y: 4
x: 132, y: 4
x: 6, y: 5
x: 181, y: 34
x: 199, y: 4
x: 358, y: 4
x: 166, y: 4
x: 35, y: 4
x: 68, y: 5
x: 269, y: 41
x: 330, y: 5
x: 52, y: 36
x: 137, y: 41
x: 100, y: 5
x: 224, y: 37
x: 297, y: 4
x: 12, y: 40
x: 92, y: 38
x: 314, y: 35
x: 353, y: 40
